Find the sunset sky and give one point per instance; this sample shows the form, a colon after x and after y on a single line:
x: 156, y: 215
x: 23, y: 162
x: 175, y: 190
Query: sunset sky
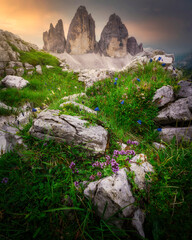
x: 165, y: 24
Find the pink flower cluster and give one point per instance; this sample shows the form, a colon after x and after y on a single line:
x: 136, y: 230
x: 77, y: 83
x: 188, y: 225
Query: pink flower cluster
x: 113, y: 162
x: 72, y: 167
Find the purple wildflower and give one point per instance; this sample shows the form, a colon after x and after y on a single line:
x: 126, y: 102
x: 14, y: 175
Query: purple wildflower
x: 122, y: 102
x: 72, y: 165
x: 116, y: 79
x: 114, y: 165
x: 76, y: 184
x: 96, y: 164
x: 5, y: 180
x: 99, y: 174
x: 92, y: 177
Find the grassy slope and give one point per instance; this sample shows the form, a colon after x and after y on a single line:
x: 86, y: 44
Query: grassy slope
x: 42, y: 181
x: 46, y: 88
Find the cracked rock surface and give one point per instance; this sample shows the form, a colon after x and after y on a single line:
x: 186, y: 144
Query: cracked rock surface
x: 71, y: 129
x: 116, y: 192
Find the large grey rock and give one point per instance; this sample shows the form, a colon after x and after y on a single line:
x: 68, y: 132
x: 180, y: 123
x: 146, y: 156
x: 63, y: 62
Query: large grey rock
x: 112, y: 195
x: 4, y: 145
x: 179, y: 111
x: 113, y: 41
x: 9, y: 138
x: 71, y: 129
x: 163, y: 96
x: 2, y: 65
x: 140, y: 167
x: 115, y: 191
x: 54, y: 39
x: 28, y: 66
x: 39, y: 69
x: 185, y: 89
x: 181, y: 134
x: 10, y: 71
x: 2, y: 105
x: 81, y: 34
x: 4, y: 56
x: 20, y: 71
x: 14, y: 82
x: 132, y: 46
x: 138, y: 220
x: 13, y: 64
x: 81, y: 106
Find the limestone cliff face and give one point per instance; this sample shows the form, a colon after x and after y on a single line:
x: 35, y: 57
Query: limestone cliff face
x: 81, y: 35
x: 54, y: 39
x: 113, y: 42
x: 9, y: 43
x: 132, y: 46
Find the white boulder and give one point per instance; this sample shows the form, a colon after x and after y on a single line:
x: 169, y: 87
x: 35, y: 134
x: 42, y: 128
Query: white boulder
x: 14, y: 82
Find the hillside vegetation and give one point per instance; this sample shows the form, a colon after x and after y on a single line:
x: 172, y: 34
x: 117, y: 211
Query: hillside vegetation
x: 39, y: 198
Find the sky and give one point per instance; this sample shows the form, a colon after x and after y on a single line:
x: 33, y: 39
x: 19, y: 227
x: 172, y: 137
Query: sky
x: 161, y: 24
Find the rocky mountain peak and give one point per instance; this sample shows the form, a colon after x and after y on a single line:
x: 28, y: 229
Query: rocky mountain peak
x: 54, y: 39
x: 114, y: 37
x: 81, y: 35
x: 132, y: 46
x: 81, y: 39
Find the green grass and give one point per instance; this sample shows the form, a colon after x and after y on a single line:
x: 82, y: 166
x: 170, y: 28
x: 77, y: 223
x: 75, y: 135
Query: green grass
x: 38, y: 58
x: 45, y: 203
x: 137, y: 97
x: 43, y: 89
x: 40, y: 200
x: 170, y: 196
x: 34, y: 57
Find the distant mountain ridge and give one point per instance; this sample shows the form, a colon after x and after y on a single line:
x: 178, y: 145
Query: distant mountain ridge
x: 114, y: 40
x: 184, y: 60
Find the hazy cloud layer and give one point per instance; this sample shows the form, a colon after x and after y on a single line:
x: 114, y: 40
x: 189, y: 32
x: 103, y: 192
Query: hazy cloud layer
x: 162, y: 24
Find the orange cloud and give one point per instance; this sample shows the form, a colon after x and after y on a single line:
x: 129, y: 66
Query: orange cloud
x: 26, y: 19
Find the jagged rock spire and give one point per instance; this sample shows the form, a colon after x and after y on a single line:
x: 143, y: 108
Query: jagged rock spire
x: 54, y: 39
x: 132, y: 46
x: 113, y: 41
x: 81, y: 35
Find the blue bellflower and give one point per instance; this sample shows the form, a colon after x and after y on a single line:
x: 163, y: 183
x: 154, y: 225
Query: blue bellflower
x: 139, y: 121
